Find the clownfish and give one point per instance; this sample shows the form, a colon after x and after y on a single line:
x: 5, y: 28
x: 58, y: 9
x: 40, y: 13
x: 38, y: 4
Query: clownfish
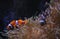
x: 21, y: 22
x: 14, y: 23
x: 11, y: 25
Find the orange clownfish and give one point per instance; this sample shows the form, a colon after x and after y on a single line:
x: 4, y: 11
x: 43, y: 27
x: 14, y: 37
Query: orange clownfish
x: 16, y: 22
x: 20, y: 22
x: 13, y: 23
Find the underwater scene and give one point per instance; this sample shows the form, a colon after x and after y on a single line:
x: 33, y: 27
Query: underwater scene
x: 43, y: 22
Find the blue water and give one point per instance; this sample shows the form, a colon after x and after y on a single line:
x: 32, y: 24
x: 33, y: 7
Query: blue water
x: 10, y: 15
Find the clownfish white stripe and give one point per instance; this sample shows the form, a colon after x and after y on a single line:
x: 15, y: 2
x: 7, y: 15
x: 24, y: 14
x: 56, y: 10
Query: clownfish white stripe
x: 16, y: 22
x: 9, y: 25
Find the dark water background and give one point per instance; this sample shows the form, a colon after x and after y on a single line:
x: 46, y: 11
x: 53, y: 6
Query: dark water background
x: 14, y: 9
